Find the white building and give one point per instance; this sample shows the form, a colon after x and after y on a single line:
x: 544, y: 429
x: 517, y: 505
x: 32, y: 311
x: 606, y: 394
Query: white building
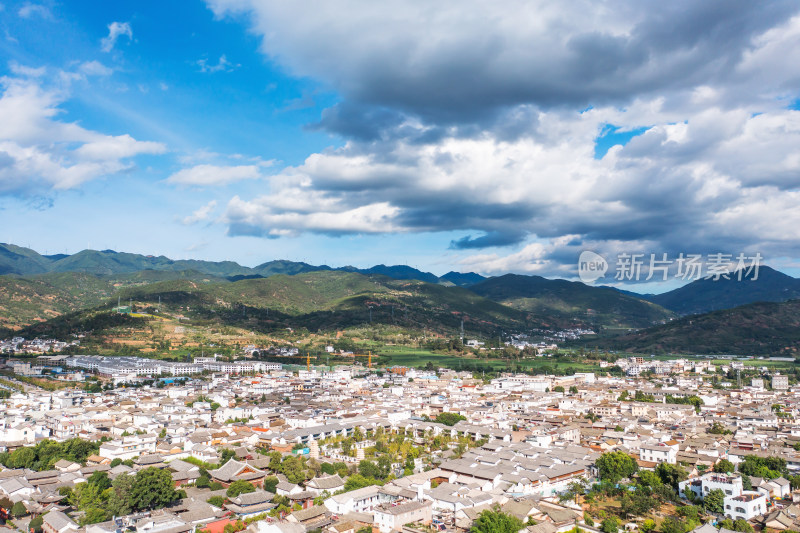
x: 747, y: 505
x: 659, y: 453
x: 359, y: 500
x: 390, y: 518
x: 701, y: 486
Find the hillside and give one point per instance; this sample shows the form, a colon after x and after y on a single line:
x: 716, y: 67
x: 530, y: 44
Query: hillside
x: 755, y: 329
x: 332, y: 299
x: 317, y: 301
x: 704, y: 295
x: 19, y: 260
x: 25, y: 301
x: 31, y: 299
x: 563, y: 299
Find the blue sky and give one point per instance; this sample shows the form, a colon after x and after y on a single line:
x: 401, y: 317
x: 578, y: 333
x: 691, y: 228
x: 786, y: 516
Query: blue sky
x: 456, y: 136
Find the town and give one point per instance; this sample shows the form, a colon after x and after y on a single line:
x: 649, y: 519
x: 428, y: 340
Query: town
x: 151, y: 446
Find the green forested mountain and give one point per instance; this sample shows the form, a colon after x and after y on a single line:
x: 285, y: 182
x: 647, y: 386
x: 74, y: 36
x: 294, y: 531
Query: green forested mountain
x: 765, y: 328
x: 705, y: 295
x: 325, y: 300
x: 602, y: 306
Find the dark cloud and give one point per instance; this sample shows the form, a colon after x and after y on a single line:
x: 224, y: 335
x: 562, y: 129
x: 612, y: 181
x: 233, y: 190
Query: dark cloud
x: 353, y: 121
x: 486, y: 241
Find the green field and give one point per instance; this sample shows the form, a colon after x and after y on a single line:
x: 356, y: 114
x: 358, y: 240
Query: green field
x: 417, y: 357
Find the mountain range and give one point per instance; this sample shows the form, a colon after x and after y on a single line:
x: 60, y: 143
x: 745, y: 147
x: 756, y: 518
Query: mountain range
x: 38, y: 288
x: 24, y: 262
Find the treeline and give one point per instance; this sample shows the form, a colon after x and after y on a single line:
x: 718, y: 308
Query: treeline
x: 47, y: 453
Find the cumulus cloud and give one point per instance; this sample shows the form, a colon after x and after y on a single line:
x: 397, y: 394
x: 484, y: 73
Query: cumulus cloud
x: 39, y: 153
x: 201, y: 214
x: 486, y: 56
x: 489, y: 129
x: 214, y: 175
x: 115, y: 31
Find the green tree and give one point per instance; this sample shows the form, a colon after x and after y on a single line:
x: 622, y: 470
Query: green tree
x: 292, y: 468
x: 558, y: 388
x: 36, y: 524
x: 18, y: 510
x: 614, y: 466
x: 275, y: 461
x: 689, y: 512
x: 239, y: 487
x: 672, y: 525
x: 122, y: 501
x: 152, y: 489
x: 649, y: 479
x: 449, y: 419
x: 495, y: 521
x: 671, y: 474
x: 270, y: 483
x: 368, y: 469
x: 357, y: 481
x: 573, y: 390
x: 718, y: 428
x: 724, y: 466
x: 225, y: 455
x: 638, y: 502
x: 648, y: 526
x: 610, y: 524
x: 94, y: 515
x: 216, y: 501
x: 714, y: 501
x: 21, y: 458
x: 100, y: 479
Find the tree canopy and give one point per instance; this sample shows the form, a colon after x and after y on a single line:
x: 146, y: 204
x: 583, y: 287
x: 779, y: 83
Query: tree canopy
x: 494, y: 521
x: 450, y: 419
x: 614, y: 466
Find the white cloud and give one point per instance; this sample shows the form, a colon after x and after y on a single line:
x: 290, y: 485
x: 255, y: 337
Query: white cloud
x: 223, y: 65
x: 201, y: 214
x: 28, y: 10
x: 25, y: 71
x: 214, y: 175
x: 479, y: 129
x: 39, y: 153
x: 115, y: 31
x: 677, y: 186
x: 95, y: 68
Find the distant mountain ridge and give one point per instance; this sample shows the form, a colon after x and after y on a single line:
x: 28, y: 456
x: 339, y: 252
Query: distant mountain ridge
x: 601, y: 306
x: 705, y: 295
x: 763, y: 328
x: 25, y: 262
